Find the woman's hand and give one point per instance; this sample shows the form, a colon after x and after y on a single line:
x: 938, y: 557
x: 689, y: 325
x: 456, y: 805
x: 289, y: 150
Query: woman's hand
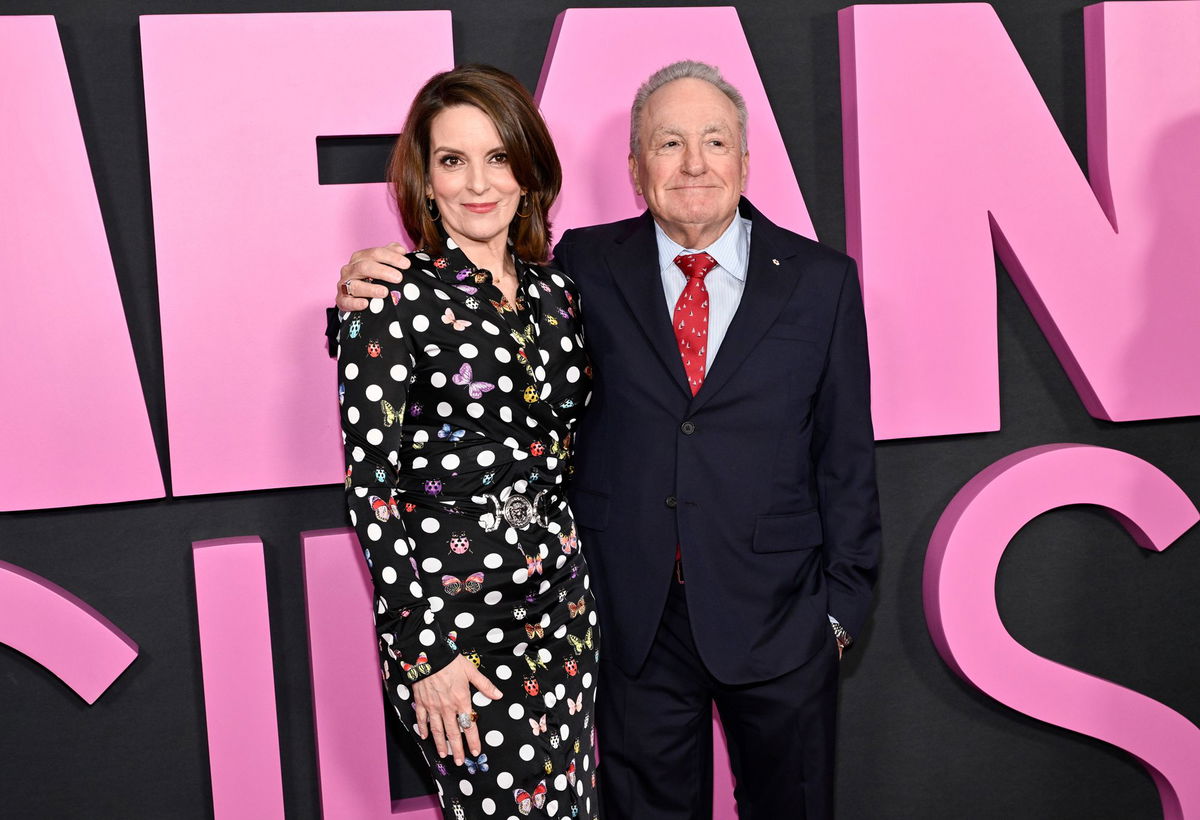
x: 440, y: 698
x: 355, y: 286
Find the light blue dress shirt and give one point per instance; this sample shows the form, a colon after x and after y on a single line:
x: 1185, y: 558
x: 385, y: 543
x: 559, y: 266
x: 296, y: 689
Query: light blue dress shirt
x: 725, y: 282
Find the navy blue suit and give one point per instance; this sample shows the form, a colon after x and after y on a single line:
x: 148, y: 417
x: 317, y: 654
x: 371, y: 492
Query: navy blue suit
x: 765, y: 478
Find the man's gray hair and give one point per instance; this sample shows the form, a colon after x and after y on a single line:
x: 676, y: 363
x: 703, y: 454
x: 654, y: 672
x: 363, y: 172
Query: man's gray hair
x: 681, y: 70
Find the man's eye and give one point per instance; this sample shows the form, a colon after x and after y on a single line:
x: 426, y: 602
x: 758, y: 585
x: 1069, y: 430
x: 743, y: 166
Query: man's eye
x: 671, y: 144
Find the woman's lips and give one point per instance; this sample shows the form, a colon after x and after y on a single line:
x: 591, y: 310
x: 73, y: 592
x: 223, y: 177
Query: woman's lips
x: 480, y: 207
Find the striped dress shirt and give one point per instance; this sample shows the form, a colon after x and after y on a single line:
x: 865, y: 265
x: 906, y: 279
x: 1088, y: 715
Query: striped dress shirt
x: 724, y: 282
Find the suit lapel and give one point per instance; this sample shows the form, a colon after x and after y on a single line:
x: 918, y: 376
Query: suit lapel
x: 633, y: 263
x: 771, y: 277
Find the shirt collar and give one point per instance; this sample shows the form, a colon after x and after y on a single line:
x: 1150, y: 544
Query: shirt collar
x: 730, y: 249
x: 454, y: 267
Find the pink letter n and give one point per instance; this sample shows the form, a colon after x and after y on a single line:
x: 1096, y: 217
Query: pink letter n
x: 949, y: 149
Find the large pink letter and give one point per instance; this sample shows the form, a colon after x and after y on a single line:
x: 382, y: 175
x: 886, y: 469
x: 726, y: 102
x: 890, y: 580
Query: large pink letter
x: 949, y: 149
x: 73, y: 423
x: 348, y: 704
x: 62, y: 633
x: 234, y: 105
x: 960, y: 602
x: 239, y: 679
x: 596, y: 61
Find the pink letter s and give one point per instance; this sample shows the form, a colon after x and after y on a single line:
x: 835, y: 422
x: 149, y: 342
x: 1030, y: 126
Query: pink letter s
x: 960, y: 602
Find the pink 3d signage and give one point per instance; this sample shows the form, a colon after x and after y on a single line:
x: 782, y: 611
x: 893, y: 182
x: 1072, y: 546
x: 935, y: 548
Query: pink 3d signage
x: 72, y: 413
x: 949, y: 148
x: 596, y: 61
x: 239, y: 678
x: 63, y: 634
x: 945, y: 136
x: 234, y: 106
x: 960, y: 602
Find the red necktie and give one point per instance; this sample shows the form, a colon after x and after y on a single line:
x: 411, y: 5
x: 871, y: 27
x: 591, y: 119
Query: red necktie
x: 691, y: 316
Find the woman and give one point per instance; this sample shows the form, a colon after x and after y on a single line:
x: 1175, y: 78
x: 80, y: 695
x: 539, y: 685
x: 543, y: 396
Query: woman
x: 459, y: 394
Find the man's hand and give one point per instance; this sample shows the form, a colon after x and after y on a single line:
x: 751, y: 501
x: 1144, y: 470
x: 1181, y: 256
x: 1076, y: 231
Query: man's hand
x: 355, y: 287
x: 439, y: 699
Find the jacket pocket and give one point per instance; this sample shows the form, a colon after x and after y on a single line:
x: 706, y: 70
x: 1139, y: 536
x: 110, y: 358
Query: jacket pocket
x: 590, y: 509
x: 785, y: 533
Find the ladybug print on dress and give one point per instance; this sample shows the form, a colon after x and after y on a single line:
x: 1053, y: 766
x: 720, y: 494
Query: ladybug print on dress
x: 459, y: 543
x: 532, y: 687
x: 374, y: 349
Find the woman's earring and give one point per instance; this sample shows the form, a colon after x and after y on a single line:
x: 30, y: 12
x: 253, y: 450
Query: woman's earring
x: 524, y: 205
x: 431, y: 207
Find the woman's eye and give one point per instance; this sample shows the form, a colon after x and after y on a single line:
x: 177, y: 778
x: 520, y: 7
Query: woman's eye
x: 499, y: 159
x: 451, y: 161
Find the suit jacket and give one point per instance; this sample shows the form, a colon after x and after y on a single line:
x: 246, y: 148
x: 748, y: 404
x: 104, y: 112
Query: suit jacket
x: 766, y: 477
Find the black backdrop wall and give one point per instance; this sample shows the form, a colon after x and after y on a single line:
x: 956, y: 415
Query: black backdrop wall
x: 915, y: 741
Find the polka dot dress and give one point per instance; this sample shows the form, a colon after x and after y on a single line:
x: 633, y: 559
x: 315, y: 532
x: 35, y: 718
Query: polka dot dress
x: 457, y: 409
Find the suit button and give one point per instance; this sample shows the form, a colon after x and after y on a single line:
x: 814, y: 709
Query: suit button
x: 671, y: 502
x: 688, y: 427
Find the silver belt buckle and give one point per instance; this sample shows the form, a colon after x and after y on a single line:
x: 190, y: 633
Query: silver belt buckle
x: 518, y: 510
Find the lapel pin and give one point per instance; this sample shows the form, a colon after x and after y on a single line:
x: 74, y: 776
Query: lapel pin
x: 774, y: 261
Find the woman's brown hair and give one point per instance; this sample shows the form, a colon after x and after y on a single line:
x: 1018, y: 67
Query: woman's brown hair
x: 531, y: 154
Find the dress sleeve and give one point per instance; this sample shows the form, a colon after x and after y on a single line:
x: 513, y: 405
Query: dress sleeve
x: 375, y: 362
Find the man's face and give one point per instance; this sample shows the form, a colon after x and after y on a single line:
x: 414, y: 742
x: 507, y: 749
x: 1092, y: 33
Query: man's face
x: 690, y: 166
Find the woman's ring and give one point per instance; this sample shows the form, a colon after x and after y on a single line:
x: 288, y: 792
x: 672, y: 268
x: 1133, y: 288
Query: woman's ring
x: 466, y: 720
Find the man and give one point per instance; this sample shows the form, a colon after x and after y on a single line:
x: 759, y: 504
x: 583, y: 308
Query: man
x: 725, y: 483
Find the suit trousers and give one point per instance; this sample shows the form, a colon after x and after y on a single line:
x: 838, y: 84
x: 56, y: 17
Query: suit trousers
x: 655, y: 733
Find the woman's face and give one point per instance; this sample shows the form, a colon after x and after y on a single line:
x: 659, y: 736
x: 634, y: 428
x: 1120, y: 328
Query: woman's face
x: 469, y: 176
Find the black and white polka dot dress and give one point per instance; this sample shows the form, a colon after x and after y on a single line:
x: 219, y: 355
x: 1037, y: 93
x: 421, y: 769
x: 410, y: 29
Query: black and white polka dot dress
x: 457, y: 411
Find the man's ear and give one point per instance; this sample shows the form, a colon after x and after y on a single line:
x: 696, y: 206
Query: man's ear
x: 745, y: 170
x: 633, y: 174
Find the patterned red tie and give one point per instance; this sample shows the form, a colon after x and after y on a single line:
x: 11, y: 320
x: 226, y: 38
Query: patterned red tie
x: 691, y: 316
